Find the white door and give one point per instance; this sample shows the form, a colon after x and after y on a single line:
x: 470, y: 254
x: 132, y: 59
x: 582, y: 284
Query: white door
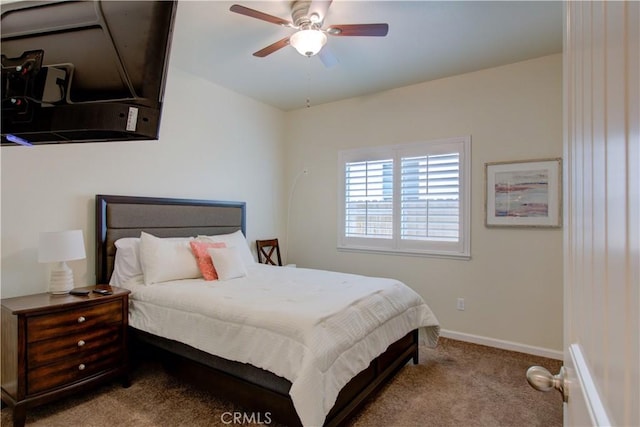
x: 602, y: 213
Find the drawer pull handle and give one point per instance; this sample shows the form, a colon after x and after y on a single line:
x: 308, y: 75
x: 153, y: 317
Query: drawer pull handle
x: 81, y: 319
x: 81, y: 367
x: 81, y: 343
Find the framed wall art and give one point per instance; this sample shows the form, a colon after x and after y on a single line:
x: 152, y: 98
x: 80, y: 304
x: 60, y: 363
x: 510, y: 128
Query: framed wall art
x: 524, y: 193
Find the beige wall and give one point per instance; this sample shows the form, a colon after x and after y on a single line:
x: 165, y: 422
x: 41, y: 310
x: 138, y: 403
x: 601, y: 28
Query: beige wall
x: 206, y: 150
x: 512, y: 286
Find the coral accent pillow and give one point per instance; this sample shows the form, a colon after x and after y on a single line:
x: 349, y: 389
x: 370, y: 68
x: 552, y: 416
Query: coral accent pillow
x: 205, y: 263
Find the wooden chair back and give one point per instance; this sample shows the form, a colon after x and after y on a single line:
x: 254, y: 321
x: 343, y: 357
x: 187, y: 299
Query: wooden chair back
x: 268, y: 252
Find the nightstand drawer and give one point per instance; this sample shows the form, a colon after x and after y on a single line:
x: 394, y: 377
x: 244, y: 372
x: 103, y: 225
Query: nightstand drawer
x: 73, y: 369
x: 68, y: 346
x: 72, y: 321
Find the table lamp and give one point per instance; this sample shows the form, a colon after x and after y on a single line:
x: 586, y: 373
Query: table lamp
x: 59, y: 247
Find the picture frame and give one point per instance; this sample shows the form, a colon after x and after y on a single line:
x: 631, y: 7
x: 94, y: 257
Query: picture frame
x: 526, y: 193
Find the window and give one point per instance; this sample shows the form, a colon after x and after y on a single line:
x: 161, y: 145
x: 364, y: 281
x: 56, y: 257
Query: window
x: 410, y: 198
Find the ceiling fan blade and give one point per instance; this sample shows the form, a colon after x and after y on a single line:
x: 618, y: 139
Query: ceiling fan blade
x: 319, y: 7
x: 327, y: 57
x: 259, y: 15
x: 376, y: 30
x: 272, y: 48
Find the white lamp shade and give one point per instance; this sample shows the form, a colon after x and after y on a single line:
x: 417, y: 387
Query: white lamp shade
x: 308, y: 42
x: 57, y: 246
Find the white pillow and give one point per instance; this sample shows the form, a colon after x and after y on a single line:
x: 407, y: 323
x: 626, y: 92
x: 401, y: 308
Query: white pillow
x: 166, y: 259
x: 228, y: 262
x: 127, y: 262
x: 237, y: 240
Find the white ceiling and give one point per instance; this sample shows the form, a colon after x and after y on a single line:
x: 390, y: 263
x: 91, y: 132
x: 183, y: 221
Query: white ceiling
x: 427, y: 40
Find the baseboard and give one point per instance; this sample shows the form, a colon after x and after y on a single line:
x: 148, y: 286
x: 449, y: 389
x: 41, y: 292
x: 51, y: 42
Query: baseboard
x: 502, y: 344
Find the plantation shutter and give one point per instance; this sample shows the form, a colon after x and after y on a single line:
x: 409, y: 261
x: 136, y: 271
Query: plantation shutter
x: 369, y: 199
x: 430, y: 197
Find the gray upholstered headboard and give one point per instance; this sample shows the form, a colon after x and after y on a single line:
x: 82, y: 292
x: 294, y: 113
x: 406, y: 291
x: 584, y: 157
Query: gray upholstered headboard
x: 127, y: 216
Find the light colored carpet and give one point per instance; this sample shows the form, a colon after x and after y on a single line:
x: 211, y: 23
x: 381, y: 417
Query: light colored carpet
x: 456, y: 384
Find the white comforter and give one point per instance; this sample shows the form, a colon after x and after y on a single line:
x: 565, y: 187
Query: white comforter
x: 317, y: 329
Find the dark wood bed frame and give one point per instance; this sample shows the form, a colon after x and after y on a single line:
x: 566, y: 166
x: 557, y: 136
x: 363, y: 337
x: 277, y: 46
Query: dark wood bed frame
x: 253, y: 388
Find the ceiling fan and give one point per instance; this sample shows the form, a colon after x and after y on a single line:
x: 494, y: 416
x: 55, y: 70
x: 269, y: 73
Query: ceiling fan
x: 308, y: 19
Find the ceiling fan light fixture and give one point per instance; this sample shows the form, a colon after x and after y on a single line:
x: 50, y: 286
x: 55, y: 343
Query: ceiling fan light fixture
x: 308, y: 42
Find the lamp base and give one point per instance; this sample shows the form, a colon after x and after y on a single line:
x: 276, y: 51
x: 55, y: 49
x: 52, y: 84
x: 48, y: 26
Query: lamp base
x: 61, y: 280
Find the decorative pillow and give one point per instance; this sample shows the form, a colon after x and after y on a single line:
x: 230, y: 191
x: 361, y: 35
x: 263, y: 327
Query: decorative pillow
x: 228, y: 262
x: 127, y: 261
x: 236, y: 240
x: 203, y: 258
x: 166, y: 259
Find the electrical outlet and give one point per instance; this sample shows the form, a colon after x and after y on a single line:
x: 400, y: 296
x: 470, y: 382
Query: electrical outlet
x: 460, y: 304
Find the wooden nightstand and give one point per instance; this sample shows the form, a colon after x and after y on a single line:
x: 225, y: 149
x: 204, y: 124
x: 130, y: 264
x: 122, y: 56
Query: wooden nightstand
x: 56, y: 345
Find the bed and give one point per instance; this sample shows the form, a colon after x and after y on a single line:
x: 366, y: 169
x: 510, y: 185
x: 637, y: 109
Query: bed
x: 317, y: 370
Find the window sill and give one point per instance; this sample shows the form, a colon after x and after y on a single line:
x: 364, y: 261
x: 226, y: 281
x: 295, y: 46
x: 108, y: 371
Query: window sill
x: 431, y: 254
